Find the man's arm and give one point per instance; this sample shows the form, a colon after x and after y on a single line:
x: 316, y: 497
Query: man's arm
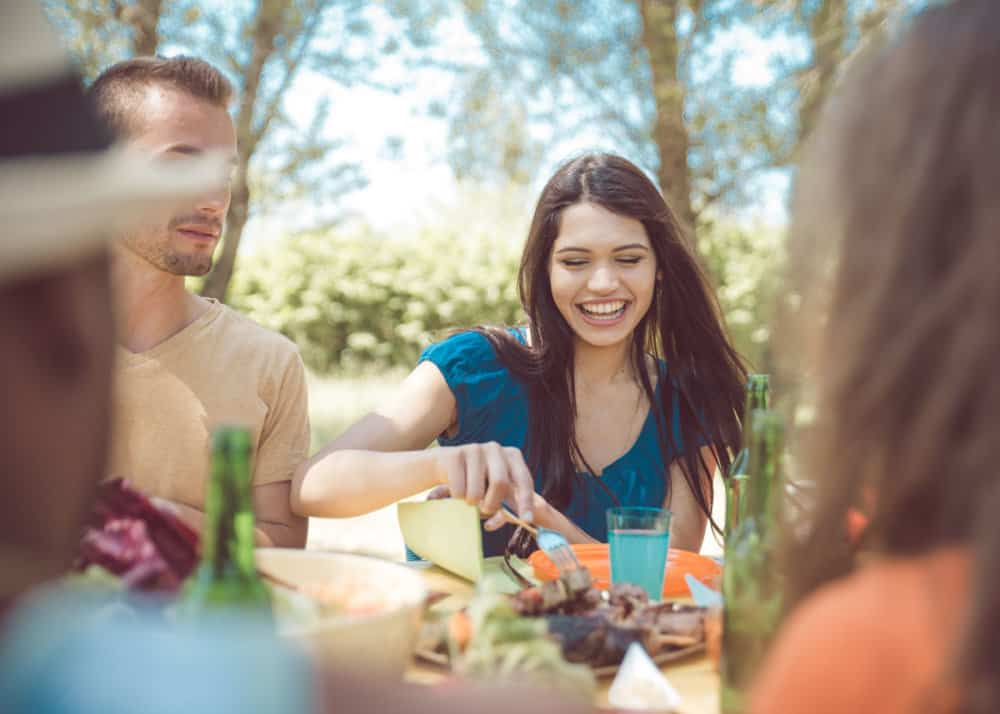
x: 283, y: 447
x: 276, y: 524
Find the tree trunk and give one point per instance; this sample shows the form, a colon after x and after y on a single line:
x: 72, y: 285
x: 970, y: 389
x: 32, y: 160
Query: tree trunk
x: 217, y: 283
x: 828, y: 29
x: 143, y: 17
x: 659, y: 37
x: 266, y: 27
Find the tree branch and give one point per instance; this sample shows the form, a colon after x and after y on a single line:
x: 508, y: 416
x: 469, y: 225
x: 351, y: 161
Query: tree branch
x: 292, y: 65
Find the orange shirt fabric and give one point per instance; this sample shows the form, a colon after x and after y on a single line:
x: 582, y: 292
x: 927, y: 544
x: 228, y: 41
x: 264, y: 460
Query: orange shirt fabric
x: 879, y: 641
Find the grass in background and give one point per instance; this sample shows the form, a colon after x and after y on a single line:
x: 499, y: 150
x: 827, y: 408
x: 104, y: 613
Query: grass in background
x: 336, y: 402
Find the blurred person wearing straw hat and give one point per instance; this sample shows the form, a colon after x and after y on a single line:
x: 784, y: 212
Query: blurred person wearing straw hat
x: 185, y: 363
x: 64, y: 188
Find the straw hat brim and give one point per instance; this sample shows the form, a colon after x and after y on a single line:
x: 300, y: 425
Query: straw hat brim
x: 57, y: 209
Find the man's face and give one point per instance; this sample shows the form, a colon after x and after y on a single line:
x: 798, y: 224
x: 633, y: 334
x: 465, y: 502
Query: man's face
x: 172, y: 124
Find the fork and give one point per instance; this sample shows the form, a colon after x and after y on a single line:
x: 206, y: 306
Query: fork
x: 554, y: 544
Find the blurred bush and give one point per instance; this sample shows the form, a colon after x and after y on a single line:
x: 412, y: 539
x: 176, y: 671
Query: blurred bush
x: 745, y: 265
x: 364, y: 303
x: 361, y: 303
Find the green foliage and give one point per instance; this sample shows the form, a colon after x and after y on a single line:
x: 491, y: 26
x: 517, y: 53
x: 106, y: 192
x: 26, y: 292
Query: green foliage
x: 363, y: 302
x: 745, y: 265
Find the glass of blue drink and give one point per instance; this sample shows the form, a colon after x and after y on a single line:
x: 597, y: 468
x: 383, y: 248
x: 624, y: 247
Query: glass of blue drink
x: 638, y: 539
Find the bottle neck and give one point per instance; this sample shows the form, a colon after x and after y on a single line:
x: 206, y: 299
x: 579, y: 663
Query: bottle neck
x: 228, y: 535
x: 736, y: 501
x: 765, y: 487
x: 758, y: 397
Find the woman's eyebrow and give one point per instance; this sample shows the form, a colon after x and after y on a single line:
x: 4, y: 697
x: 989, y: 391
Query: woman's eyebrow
x: 577, y: 249
x: 631, y: 246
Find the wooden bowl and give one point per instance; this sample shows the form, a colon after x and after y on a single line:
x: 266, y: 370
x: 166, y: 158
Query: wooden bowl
x: 378, y: 641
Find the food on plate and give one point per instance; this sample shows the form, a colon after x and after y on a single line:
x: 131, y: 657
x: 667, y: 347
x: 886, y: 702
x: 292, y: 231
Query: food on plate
x: 446, y: 532
x: 597, y: 628
x: 490, y: 641
x: 128, y: 536
x: 588, y: 627
x: 347, y: 598
x: 309, y: 602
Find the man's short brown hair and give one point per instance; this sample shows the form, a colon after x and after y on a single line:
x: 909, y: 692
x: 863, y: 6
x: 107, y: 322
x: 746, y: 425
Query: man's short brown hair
x: 119, y: 90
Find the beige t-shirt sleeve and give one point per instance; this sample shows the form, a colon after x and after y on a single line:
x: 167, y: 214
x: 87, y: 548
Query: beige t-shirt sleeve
x: 284, y: 438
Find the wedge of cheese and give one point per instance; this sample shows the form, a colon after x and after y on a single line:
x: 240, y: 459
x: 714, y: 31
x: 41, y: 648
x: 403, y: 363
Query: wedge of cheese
x: 446, y: 532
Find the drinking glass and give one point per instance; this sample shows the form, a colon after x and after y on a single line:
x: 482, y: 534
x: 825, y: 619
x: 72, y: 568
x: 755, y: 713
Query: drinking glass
x: 638, y: 539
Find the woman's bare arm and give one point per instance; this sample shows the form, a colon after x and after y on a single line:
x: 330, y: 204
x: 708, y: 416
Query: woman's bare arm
x: 383, y: 458
x: 687, y: 525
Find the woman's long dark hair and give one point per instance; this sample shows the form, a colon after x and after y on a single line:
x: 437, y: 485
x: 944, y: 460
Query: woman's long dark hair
x: 897, y: 214
x: 682, y: 327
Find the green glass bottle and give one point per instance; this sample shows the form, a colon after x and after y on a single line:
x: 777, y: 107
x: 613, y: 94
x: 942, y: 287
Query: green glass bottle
x: 751, y: 582
x: 227, y: 576
x: 757, y: 397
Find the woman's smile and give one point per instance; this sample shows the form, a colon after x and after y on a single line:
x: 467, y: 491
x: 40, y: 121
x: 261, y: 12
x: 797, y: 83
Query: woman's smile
x: 604, y: 313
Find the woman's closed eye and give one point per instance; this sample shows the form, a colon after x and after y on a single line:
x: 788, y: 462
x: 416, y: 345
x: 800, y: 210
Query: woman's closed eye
x: 622, y: 259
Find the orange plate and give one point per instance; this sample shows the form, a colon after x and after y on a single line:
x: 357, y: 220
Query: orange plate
x: 594, y: 556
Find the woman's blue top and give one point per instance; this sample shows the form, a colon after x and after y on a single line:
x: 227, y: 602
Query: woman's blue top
x: 493, y: 406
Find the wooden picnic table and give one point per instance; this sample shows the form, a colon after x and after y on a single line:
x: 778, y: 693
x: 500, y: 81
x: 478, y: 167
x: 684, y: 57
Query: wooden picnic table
x: 694, y: 678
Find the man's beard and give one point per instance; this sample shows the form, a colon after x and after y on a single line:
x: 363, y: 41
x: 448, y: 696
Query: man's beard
x: 154, y: 248
x: 188, y: 265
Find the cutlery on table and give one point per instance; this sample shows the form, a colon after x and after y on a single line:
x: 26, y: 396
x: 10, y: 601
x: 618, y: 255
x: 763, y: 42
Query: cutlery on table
x: 555, y: 545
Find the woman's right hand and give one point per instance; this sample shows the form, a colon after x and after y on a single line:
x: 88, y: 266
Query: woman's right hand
x: 486, y: 475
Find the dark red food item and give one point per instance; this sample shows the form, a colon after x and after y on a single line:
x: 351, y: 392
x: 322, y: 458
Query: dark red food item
x: 592, y: 639
x: 598, y: 628
x: 129, y: 536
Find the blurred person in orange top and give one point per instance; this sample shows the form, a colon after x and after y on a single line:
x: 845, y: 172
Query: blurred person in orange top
x: 184, y: 363
x: 895, y: 228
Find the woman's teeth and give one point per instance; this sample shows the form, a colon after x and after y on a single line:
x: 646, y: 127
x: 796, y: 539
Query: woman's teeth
x: 604, y: 310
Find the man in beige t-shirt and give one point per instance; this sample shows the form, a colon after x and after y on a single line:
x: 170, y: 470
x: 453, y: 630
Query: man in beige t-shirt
x: 186, y: 364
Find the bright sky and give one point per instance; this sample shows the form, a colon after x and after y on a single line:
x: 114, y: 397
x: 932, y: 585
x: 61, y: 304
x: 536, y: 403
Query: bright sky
x: 409, y: 185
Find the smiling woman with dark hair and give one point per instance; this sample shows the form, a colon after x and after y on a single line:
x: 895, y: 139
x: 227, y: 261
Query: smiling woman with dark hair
x: 622, y: 390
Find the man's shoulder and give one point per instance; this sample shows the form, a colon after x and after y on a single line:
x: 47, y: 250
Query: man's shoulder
x: 239, y: 330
